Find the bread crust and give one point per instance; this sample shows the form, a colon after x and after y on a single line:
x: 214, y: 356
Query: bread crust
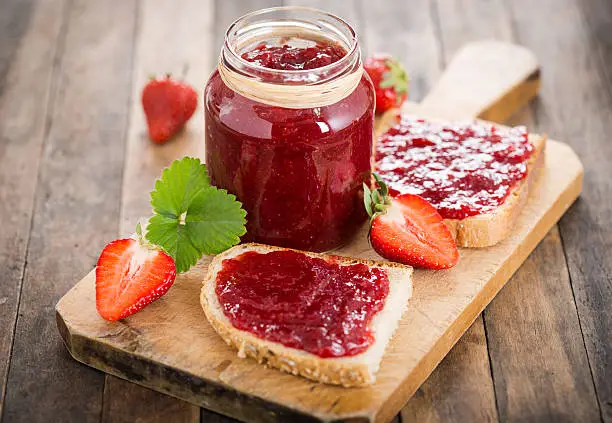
x: 354, y: 371
x: 487, y: 229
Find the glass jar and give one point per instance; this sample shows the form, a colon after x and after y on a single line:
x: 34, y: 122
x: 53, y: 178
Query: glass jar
x: 294, y: 146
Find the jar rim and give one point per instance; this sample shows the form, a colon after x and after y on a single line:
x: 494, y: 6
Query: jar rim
x: 345, y: 61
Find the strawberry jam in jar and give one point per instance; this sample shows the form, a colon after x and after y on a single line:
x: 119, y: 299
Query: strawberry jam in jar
x: 289, y: 116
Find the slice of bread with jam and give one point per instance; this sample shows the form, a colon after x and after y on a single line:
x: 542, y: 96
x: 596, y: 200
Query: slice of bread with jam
x: 347, y: 370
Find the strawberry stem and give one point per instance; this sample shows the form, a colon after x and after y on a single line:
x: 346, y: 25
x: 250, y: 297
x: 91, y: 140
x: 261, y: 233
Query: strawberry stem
x: 142, y: 240
x: 376, y: 200
x: 140, y: 237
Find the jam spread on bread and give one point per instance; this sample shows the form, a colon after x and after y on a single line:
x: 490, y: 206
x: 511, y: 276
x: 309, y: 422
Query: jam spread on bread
x: 303, y: 302
x: 288, y: 57
x: 462, y: 169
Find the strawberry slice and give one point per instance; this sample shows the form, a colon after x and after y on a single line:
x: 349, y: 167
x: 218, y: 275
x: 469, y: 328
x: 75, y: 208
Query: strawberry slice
x: 407, y: 229
x: 130, y: 275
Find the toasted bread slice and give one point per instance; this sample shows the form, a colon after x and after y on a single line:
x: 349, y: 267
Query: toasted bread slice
x: 357, y: 370
x: 488, y: 229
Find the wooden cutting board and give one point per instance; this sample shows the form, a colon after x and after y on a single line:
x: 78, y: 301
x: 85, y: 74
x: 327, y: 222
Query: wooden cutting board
x: 170, y: 347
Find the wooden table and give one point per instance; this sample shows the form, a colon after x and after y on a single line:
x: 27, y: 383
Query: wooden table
x: 70, y: 76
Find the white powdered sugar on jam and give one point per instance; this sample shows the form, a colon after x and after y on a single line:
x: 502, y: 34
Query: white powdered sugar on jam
x: 463, y: 169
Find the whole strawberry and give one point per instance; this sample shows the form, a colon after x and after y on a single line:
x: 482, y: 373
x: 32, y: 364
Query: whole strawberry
x: 407, y: 229
x: 168, y: 105
x: 390, y: 81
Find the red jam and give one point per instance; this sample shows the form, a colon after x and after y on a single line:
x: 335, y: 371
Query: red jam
x: 303, y: 302
x: 298, y: 172
x: 288, y: 57
x: 463, y: 169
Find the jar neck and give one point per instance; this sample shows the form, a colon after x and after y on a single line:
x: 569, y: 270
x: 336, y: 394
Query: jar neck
x: 278, y: 24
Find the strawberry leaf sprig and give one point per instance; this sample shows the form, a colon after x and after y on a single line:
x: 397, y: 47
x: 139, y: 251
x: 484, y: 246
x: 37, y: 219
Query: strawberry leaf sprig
x: 191, y: 217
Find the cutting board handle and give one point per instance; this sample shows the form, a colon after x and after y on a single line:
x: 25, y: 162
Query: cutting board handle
x: 486, y: 79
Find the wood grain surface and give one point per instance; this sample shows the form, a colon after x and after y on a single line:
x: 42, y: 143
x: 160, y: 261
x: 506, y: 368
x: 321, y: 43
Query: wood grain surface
x: 571, y: 40
x: 585, y: 234
x: 25, y: 95
x: 517, y: 325
x: 81, y: 161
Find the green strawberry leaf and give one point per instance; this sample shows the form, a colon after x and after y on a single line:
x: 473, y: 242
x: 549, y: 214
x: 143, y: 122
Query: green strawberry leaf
x: 176, y: 240
x: 217, y: 219
x: 396, y: 77
x: 178, y: 186
x: 193, y: 218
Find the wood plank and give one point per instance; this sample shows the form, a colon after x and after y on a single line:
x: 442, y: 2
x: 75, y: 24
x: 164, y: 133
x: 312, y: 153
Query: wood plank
x: 14, y: 21
x: 208, y: 416
x: 475, y: 20
x: 127, y: 402
x: 227, y: 12
x: 28, y: 40
x: 350, y: 11
x: 596, y: 322
x: 538, y: 358
x: 576, y: 103
x: 461, y: 388
x: 413, y: 39
x: 193, y: 61
x: 490, y: 19
x: 598, y: 15
x: 75, y: 208
x: 525, y: 395
x: 596, y: 316
x: 463, y: 93
x: 472, y: 20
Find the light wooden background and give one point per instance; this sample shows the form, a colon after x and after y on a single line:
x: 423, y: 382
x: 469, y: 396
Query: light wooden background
x: 76, y: 168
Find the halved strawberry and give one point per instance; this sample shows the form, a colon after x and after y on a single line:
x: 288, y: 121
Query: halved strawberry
x: 409, y: 230
x: 130, y: 275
